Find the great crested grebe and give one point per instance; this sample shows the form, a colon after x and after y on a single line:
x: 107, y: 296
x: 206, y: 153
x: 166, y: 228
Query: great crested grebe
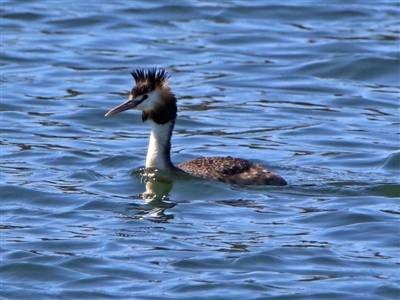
x: 154, y: 98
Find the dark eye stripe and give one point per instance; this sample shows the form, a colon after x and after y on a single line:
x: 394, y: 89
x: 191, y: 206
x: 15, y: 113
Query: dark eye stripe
x: 144, y: 98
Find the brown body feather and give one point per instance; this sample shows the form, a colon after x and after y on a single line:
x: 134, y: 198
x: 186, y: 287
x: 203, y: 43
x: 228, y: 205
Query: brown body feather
x: 231, y: 170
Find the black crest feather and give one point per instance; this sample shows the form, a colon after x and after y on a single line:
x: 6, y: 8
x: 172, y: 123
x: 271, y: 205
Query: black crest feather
x: 148, y: 80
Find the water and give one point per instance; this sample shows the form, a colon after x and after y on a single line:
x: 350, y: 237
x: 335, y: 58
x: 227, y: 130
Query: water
x: 308, y: 90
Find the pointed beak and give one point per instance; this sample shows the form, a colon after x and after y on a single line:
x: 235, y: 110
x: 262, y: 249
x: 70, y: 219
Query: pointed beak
x: 130, y: 104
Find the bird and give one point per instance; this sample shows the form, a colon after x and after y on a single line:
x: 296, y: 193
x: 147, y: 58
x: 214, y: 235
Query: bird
x: 152, y: 96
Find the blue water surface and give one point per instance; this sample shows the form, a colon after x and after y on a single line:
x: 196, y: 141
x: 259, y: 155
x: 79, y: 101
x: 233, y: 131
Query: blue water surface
x: 308, y: 89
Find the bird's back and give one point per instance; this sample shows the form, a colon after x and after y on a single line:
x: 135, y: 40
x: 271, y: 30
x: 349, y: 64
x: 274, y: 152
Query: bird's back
x: 231, y: 170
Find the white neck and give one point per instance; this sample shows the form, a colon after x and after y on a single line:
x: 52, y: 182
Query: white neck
x: 158, y: 153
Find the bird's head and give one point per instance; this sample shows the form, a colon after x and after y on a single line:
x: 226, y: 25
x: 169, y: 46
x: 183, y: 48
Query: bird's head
x: 152, y: 95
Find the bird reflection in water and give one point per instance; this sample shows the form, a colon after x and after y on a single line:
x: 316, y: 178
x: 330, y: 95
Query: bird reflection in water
x: 158, y: 184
